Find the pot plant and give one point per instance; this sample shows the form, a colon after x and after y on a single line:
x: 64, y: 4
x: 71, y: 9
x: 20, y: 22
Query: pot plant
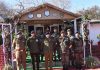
x: 98, y: 37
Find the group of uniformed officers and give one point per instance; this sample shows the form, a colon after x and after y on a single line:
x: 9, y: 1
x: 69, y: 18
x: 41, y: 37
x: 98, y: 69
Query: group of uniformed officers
x: 56, y: 46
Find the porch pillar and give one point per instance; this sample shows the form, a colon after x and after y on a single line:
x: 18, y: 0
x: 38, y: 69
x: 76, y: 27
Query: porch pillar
x: 15, y: 28
x: 75, y: 26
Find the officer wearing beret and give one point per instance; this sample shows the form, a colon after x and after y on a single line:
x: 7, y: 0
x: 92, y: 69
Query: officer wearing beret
x: 48, y: 50
x: 19, y: 44
x: 33, y: 46
x: 71, y: 48
x: 64, y: 44
x: 78, y: 50
x: 56, y: 47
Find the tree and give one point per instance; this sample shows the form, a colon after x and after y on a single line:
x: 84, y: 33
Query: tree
x: 91, y: 13
x: 64, y: 4
x: 5, y: 12
x: 23, y: 4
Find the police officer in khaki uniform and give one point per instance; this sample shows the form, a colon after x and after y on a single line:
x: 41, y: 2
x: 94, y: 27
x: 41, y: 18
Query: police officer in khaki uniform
x: 64, y: 44
x: 78, y: 50
x: 33, y: 46
x: 19, y: 44
x: 48, y: 50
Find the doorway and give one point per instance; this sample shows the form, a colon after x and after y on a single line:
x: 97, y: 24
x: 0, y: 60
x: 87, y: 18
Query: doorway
x: 30, y: 28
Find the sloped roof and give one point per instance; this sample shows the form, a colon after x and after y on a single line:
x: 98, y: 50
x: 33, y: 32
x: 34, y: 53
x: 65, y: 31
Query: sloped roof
x: 32, y: 9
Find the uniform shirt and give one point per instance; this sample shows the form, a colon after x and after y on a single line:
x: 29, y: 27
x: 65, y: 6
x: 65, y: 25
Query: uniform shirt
x: 71, y: 38
x: 64, y: 43
x: 48, y: 44
x: 55, y: 37
x: 78, y: 43
x: 32, y: 44
x: 20, y: 41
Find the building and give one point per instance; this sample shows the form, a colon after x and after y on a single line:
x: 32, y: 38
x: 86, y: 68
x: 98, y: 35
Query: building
x: 46, y: 17
x: 94, y: 30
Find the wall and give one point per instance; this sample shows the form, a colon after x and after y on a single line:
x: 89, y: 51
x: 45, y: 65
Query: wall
x: 94, y: 31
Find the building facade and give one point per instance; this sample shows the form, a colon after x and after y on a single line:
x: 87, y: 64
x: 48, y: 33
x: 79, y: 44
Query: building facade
x: 47, y: 16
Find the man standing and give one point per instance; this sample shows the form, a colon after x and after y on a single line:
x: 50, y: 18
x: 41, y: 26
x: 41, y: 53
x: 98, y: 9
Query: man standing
x: 56, y: 47
x: 40, y: 36
x: 78, y: 50
x: 19, y: 44
x: 64, y: 43
x: 71, y: 48
x: 48, y: 51
x: 33, y: 46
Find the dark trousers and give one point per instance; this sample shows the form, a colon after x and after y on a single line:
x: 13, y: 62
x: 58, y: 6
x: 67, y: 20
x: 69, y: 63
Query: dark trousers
x: 35, y: 58
x: 78, y: 60
x: 71, y: 57
x: 65, y: 60
x: 57, y: 51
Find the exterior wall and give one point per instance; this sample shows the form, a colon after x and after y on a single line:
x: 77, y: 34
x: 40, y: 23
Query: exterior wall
x: 54, y: 14
x: 94, y: 30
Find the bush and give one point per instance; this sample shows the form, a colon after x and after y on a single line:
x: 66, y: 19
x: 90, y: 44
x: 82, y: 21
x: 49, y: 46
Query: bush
x: 92, y: 62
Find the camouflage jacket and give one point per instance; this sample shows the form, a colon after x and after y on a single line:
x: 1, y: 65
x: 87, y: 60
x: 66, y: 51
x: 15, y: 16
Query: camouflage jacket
x: 64, y: 44
x: 48, y: 44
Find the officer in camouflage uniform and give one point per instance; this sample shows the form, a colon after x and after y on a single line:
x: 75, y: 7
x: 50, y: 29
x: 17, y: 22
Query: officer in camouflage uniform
x: 56, y: 47
x: 33, y: 45
x: 78, y: 50
x: 48, y: 50
x: 19, y: 44
x: 64, y: 44
x: 71, y: 48
x: 7, y: 45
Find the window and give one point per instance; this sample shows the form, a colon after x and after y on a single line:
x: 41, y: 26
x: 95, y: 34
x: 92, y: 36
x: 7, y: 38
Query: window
x: 47, y: 13
x: 39, y: 15
x: 30, y: 15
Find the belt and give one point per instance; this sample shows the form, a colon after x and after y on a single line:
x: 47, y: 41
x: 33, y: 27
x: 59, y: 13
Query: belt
x: 20, y: 50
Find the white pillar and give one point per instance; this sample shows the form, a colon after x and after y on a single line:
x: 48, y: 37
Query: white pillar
x: 75, y: 26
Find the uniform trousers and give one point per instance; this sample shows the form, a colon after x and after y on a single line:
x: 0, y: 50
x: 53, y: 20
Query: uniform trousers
x: 35, y: 59
x: 48, y: 56
x: 65, y: 60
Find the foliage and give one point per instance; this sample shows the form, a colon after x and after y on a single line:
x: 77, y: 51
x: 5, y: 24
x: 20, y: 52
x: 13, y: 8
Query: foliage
x: 90, y: 13
x: 92, y: 62
x: 98, y: 36
x: 23, y: 4
x: 5, y: 10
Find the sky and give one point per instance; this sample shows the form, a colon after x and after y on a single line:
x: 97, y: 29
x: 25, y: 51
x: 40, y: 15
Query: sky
x: 75, y: 5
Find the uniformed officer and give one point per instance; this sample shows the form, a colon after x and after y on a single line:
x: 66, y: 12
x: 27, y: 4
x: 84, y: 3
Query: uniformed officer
x: 78, y: 50
x: 7, y: 45
x: 71, y: 48
x: 56, y: 47
x: 33, y: 46
x: 64, y: 44
x: 19, y: 44
x: 40, y: 37
x: 48, y: 50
